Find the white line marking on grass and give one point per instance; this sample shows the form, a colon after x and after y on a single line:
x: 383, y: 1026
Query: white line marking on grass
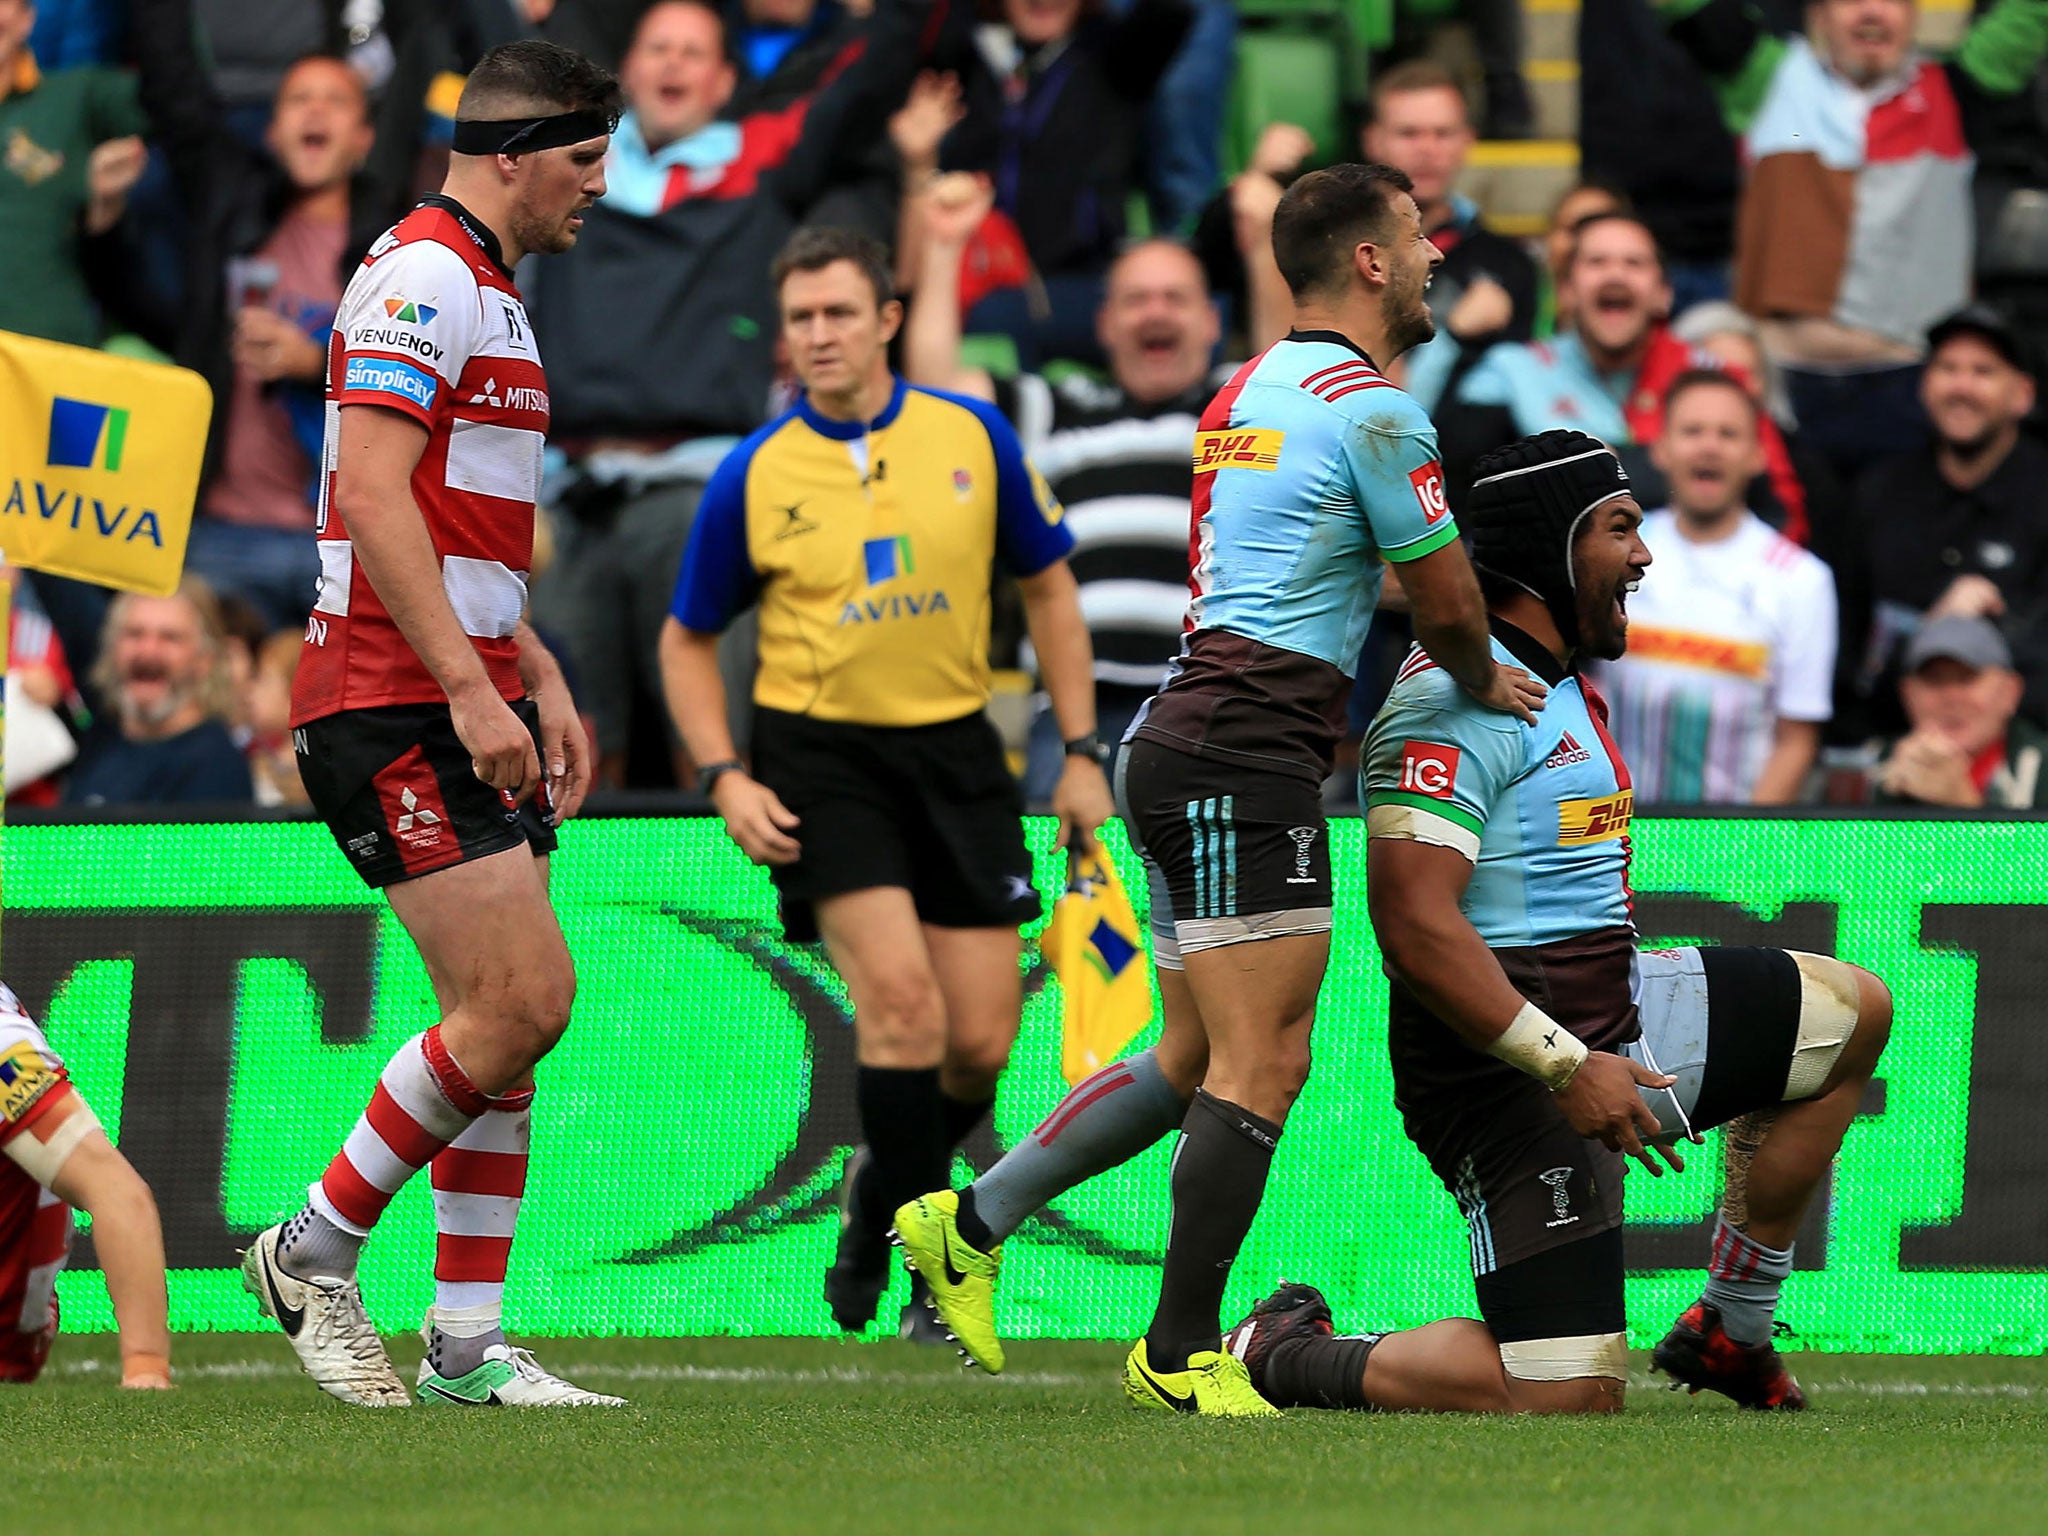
x: 270, y: 1370
x: 264, y: 1370
x: 1648, y: 1383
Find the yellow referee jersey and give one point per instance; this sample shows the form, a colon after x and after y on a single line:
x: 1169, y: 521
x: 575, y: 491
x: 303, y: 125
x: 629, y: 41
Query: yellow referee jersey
x: 869, y: 548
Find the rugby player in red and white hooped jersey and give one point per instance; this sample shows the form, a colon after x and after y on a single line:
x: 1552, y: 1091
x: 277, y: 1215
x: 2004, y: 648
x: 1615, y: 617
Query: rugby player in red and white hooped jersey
x: 435, y: 734
x: 57, y: 1159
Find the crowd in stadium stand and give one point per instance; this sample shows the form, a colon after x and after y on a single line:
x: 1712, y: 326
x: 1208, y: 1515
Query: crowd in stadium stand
x: 1801, y: 288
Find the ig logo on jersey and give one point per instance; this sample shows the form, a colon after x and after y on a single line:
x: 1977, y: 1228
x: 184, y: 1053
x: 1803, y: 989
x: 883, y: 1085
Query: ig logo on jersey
x: 1428, y: 768
x: 1429, y: 491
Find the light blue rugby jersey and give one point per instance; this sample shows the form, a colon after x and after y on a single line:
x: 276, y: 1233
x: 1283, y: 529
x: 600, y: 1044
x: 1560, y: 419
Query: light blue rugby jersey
x: 1542, y: 811
x: 1311, y: 470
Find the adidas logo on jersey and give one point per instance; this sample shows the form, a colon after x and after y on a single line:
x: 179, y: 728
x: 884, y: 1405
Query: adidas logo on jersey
x: 1568, y: 752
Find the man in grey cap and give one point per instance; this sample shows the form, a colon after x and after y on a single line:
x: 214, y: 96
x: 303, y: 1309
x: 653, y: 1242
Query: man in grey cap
x: 1968, y: 746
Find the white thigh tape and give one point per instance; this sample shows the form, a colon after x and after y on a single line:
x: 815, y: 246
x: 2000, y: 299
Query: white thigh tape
x: 41, y: 1159
x: 1590, y: 1354
x: 1828, y: 1004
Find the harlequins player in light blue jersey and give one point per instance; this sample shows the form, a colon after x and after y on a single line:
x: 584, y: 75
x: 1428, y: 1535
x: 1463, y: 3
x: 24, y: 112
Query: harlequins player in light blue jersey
x: 1535, y: 1050
x: 1313, y: 473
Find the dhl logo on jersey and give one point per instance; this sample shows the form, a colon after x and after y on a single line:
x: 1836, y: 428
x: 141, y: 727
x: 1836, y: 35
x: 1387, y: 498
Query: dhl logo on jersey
x: 1249, y: 448
x: 1595, y: 821
x: 1710, y: 653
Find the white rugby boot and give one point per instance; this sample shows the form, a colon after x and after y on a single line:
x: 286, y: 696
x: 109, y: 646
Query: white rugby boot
x: 327, y: 1327
x: 507, y: 1378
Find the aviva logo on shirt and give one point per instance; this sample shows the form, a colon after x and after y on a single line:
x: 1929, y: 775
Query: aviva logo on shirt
x: 1599, y: 820
x: 888, y: 560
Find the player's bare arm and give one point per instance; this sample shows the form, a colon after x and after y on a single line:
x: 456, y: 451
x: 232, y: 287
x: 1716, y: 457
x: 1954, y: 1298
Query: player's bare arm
x: 1413, y: 890
x: 562, y: 735
x: 754, y: 815
x: 91, y: 1176
x: 378, y: 451
x: 1450, y: 624
x: 1066, y: 661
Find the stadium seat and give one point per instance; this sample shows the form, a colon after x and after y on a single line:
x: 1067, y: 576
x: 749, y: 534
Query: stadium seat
x: 1285, y: 76
x: 1371, y: 23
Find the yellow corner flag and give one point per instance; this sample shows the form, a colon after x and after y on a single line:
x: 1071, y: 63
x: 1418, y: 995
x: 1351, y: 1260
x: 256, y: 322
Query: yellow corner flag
x: 99, y: 463
x: 1095, y: 950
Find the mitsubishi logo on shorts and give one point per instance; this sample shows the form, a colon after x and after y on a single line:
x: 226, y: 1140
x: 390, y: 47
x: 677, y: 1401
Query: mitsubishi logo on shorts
x: 1559, y: 1180
x: 414, y: 811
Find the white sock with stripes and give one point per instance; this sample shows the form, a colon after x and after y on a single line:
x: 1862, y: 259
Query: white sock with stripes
x: 479, y: 1180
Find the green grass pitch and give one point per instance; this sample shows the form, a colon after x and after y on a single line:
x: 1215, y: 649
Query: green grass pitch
x: 766, y: 1436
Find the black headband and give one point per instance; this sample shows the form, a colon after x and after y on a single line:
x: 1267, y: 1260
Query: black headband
x: 527, y: 135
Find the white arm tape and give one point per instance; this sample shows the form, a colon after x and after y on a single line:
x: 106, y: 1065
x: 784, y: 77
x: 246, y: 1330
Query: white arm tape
x: 1411, y: 824
x: 41, y: 1159
x: 1541, y: 1047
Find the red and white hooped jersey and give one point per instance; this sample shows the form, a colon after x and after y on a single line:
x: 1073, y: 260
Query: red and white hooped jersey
x: 431, y: 327
x: 35, y: 1226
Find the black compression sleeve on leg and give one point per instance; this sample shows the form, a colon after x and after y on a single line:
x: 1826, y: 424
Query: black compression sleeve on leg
x: 1318, y: 1373
x: 1560, y: 1293
x: 902, y: 1115
x: 1219, y: 1177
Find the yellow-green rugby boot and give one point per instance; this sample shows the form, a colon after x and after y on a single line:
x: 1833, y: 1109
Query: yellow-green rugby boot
x: 1214, y: 1386
x: 959, y: 1278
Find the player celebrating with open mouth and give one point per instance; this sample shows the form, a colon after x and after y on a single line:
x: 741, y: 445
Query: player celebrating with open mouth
x: 1534, y: 1049
x: 423, y: 711
x: 1312, y: 471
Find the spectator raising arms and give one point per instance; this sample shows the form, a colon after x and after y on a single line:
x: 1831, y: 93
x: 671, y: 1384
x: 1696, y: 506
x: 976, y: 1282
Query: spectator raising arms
x: 1606, y: 377
x: 162, y: 677
x: 269, y: 234
x: 1957, y: 530
x: 1056, y: 93
x: 1731, y: 640
x: 1119, y: 455
x: 1967, y: 745
x: 659, y: 329
x: 70, y: 156
x: 1855, y: 228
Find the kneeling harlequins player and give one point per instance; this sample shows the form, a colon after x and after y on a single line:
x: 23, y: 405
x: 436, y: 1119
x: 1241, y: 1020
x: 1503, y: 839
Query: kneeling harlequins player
x: 57, y: 1159
x: 1534, y: 1048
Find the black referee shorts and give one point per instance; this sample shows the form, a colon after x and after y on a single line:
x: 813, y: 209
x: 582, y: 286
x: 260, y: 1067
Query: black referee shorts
x: 932, y: 809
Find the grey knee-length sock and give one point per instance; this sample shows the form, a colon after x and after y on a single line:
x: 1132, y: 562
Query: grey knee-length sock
x: 1105, y: 1120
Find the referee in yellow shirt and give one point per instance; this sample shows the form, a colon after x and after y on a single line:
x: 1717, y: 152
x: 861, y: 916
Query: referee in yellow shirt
x: 866, y: 525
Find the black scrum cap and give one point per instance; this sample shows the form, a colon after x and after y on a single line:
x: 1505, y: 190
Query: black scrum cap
x: 1526, y: 507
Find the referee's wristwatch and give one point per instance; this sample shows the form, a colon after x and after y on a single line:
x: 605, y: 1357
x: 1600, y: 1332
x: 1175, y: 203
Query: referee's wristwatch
x: 1090, y: 747
x: 708, y: 773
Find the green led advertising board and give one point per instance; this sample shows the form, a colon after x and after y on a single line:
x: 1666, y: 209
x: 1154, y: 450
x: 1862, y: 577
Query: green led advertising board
x: 226, y: 994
